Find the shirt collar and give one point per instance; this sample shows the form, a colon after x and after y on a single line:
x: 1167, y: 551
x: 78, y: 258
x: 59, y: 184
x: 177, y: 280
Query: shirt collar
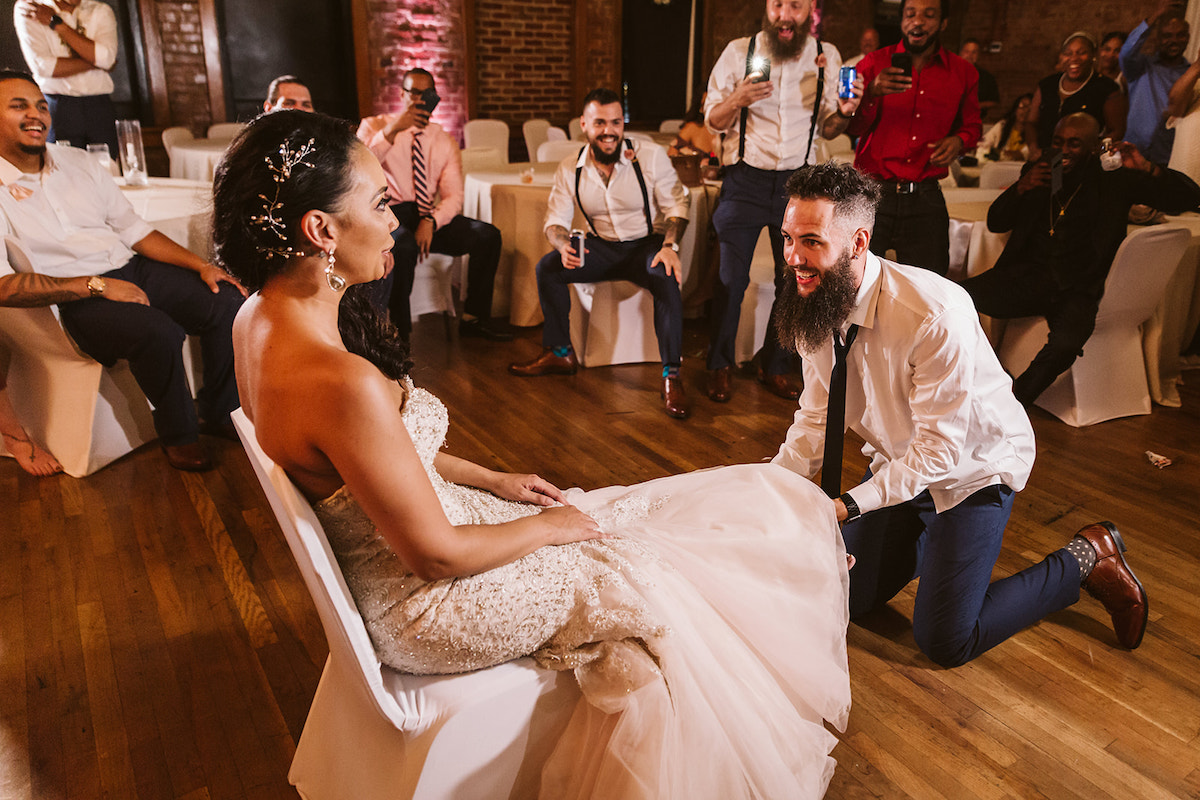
x: 585, y: 160
x: 10, y: 173
x: 867, y: 299
x: 938, y: 55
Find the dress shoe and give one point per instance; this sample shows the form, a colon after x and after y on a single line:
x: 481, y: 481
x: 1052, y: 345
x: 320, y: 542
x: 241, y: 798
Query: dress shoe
x: 480, y: 328
x: 188, y: 457
x: 1113, y: 583
x: 720, y: 384
x: 222, y: 430
x: 546, y: 364
x: 675, y: 398
x: 778, y: 385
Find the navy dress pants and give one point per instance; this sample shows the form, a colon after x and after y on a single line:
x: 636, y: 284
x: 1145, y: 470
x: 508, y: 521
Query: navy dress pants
x: 151, y: 339
x: 959, y: 613
x: 83, y: 121
x: 751, y: 199
x: 613, y: 261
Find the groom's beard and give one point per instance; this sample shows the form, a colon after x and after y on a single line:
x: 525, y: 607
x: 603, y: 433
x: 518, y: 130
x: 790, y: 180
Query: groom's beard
x: 804, y: 324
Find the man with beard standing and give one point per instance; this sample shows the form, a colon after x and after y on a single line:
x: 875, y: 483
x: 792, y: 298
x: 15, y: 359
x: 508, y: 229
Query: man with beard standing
x: 762, y: 99
x: 913, y: 122
x: 948, y: 442
x: 636, y: 211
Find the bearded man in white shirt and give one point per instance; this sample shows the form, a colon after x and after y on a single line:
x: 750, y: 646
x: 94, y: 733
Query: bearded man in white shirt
x: 949, y: 444
x: 763, y: 100
x: 70, y: 47
x: 636, y: 211
x: 123, y: 289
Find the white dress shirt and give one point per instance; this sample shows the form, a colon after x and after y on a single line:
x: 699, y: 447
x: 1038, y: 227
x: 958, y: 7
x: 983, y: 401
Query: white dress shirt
x: 43, y: 47
x: 925, y: 392
x: 777, y: 127
x: 616, y: 208
x: 71, y: 217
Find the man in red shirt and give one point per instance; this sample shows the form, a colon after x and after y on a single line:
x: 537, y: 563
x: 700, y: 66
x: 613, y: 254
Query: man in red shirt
x: 912, y: 123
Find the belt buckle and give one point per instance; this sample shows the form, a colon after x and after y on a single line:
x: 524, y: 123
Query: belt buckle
x: 906, y: 188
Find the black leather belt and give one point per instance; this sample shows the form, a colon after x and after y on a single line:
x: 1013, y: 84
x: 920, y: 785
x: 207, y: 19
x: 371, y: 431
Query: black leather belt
x: 910, y: 187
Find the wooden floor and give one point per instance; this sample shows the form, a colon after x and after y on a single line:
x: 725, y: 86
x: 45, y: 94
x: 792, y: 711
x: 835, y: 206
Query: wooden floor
x: 157, y: 641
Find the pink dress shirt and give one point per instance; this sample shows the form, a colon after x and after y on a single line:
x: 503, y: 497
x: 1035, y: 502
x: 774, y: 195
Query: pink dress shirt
x: 442, y: 158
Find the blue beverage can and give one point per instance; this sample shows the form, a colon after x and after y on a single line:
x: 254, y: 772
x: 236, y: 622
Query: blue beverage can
x: 577, y: 241
x: 846, y: 82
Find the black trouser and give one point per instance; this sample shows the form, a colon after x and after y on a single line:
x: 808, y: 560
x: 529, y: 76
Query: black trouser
x: 613, y: 261
x: 460, y: 236
x: 83, y: 121
x: 151, y: 339
x: 751, y: 199
x: 1006, y: 293
x: 916, y: 225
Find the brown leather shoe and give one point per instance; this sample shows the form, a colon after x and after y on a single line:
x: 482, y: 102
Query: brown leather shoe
x: 778, y: 385
x: 1113, y: 583
x: 675, y: 398
x: 720, y: 384
x: 188, y: 457
x: 546, y: 364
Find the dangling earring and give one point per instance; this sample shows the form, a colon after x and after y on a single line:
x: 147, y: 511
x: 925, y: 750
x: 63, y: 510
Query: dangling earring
x: 336, y: 282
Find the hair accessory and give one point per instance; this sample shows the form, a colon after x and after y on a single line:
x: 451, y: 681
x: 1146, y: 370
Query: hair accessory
x: 336, y: 282
x: 268, y: 221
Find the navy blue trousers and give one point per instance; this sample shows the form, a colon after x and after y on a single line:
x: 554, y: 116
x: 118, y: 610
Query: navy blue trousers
x: 83, y: 121
x: 959, y: 614
x: 613, y: 261
x: 151, y: 339
x: 751, y: 199
x: 916, y: 226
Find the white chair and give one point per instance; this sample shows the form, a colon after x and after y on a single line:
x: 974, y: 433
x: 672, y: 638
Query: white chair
x: 755, y: 321
x: 535, y: 131
x: 555, y: 152
x: 1109, y: 379
x: 554, y: 134
x: 575, y: 129
x: 225, y: 130
x: 670, y: 126
x: 639, y: 136
x: 375, y: 733
x: 175, y: 135
x: 999, y: 174
x: 433, y: 286
x: 487, y: 133
x: 86, y: 414
x: 612, y: 323
x: 481, y: 159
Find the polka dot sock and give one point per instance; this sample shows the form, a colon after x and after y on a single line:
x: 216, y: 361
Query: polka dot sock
x: 1084, y: 553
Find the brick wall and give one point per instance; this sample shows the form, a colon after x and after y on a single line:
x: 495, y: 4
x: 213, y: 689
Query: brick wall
x: 182, y: 45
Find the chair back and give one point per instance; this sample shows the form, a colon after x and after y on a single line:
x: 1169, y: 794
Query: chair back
x: 1141, y: 269
x: 557, y: 151
x: 487, y: 133
x: 670, y: 126
x: 575, y: 129
x: 554, y: 134
x: 344, y: 627
x: 225, y: 130
x: 173, y: 136
x: 535, y: 131
x: 999, y: 174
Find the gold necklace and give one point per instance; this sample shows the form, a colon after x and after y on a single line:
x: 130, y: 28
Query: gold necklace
x: 1054, y: 220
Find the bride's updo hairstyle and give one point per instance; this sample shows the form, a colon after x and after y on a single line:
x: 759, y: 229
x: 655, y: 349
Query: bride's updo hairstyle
x: 281, y: 166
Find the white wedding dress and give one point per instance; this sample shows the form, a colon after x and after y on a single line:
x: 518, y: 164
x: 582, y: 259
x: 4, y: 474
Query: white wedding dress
x: 708, y: 638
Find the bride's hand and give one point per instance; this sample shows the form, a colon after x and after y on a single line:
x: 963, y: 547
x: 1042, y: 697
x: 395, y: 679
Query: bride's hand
x: 568, y: 524
x: 527, y: 489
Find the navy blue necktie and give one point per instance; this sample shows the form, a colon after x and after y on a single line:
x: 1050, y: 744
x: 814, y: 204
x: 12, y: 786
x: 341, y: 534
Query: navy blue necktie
x: 835, y: 416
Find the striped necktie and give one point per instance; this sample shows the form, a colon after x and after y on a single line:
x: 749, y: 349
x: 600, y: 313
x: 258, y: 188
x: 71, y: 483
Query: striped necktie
x: 420, y: 188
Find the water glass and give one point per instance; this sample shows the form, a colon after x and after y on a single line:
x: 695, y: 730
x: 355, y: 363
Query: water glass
x: 101, y: 154
x: 133, y: 153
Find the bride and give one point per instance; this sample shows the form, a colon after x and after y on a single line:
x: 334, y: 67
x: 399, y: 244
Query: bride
x: 703, y: 615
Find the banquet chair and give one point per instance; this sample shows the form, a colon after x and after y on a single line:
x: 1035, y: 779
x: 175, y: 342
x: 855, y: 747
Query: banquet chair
x: 555, y: 134
x: 557, y: 151
x: 225, y: 130
x: 487, y: 133
x: 670, y: 126
x: 575, y: 129
x: 755, y: 320
x: 86, y: 414
x: 999, y: 174
x: 374, y: 733
x: 535, y: 132
x: 1109, y: 379
x: 175, y: 135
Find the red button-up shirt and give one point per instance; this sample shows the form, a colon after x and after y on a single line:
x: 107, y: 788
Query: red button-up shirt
x: 895, y: 131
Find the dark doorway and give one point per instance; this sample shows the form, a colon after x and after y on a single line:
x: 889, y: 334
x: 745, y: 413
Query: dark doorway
x: 311, y: 39
x: 654, y: 58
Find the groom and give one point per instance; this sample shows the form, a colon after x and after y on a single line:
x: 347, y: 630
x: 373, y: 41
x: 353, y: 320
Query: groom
x: 948, y: 442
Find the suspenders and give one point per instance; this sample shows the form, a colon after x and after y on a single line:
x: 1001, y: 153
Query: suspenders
x: 641, y: 179
x: 812, y: 126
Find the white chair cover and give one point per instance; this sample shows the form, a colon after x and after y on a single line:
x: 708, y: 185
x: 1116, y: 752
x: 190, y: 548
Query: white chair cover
x: 554, y: 134
x: 670, y: 126
x: 487, y: 133
x: 575, y: 129
x: 754, y: 323
x: 173, y: 135
x: 557, y: 151
x: 225, y: 130
x: 433, y: 285
x: 535, y: 131
x: 1109, y: 379
x: 374, y: 733
x: 999, y: 174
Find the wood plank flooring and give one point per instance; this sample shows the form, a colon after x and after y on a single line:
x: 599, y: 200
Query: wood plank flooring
x: 156, y: 640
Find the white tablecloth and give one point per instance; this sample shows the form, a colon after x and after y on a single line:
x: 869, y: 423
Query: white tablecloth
x: 180, y: 209
x: 197, y: 159
x: 477, y: 185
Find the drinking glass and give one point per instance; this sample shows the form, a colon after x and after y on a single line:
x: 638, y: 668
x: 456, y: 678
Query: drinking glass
x: 133, y: 154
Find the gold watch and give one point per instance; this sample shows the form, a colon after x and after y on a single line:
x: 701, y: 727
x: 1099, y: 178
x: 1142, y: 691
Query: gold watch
x: 96, y: 286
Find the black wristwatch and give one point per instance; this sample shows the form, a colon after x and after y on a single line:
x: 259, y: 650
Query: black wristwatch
x: 55, y: 21
x: 852, y: 511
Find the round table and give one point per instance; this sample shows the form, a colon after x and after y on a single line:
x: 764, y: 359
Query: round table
x: 197, y: 159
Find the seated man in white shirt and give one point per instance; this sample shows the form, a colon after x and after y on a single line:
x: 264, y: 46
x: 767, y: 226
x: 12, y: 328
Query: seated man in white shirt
x: 288, y: 91
x: 949, y: 444
x: 636, y: 210
x: 124, y: 290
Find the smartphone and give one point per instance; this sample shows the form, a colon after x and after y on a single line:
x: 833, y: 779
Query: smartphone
x: 903, y: 61
x: 430, y: 99
x: 760, y: 68
x: 846, y: 82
